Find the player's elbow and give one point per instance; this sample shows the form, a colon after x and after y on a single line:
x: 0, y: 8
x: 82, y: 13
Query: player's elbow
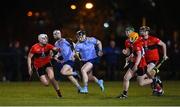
x: 99, y: 42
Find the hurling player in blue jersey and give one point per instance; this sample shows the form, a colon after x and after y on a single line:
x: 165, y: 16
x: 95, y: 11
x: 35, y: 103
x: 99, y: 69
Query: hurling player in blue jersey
x: 67, y: 52
x: 85, y: 47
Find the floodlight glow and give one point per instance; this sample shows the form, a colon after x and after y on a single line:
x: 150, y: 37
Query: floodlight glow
x: 73, y: 7
x: 29, y: 13
x: 89, y: 5
x: 106, y: 25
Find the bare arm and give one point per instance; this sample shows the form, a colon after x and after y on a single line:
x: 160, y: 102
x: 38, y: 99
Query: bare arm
x: 138, y: 59
x: 163, y: 45
x: 99, y: 44
x: 56, y: 57
x: 29, y: 62
x: 126, y: 51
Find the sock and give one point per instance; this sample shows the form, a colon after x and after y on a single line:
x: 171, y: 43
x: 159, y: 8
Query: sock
x: 154, y: 81
x: 97, y: 81
x: 58, y: 93
x: 85, y: 87
x: 125, y: 92
x: 79, y: 87
x: 158, y: 87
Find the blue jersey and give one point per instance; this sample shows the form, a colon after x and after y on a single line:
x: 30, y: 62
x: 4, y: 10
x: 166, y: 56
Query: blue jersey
x: 87, y: 48
x: 65, y: 49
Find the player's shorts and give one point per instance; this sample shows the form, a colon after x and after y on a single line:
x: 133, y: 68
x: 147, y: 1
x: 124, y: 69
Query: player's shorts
x: 141, y: 70
x: 42, y: 70
x: 93, y: 61
x: 70, y: 63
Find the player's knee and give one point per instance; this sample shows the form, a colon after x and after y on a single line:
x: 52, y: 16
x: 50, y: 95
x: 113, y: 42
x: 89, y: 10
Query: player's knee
x: 51, y: 78
x: 63, y: 73
x: 83, y: 71
x: 126, y: 78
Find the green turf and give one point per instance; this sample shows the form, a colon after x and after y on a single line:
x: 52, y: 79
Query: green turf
x: 25, y: 93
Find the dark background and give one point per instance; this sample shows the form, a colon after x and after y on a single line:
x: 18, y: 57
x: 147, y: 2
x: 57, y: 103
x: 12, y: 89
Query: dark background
x: 162, y: 16
x: 15, y: 24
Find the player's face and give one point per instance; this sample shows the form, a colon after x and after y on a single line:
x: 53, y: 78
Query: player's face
x: 144, y: 34
x: 43, y: 40
x: 81, y: 38
x: 57, y: 35
x: 128, y: 32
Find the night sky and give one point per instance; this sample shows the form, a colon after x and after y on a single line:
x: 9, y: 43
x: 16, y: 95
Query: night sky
x: 14, y: 23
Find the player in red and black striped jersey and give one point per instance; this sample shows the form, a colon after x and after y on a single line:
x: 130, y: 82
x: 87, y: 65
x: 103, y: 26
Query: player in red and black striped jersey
x: 40, y: 54
x: 138, y: 65
x: 150, y: 44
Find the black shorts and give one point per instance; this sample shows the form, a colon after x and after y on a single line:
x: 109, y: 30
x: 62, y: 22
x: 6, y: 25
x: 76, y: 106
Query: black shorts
x: 141, y: 70
x: 42, y: 71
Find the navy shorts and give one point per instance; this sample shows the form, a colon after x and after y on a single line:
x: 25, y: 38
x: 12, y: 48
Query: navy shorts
x: 70, y: 63
x: 141, y: 70
x: 93, y: 61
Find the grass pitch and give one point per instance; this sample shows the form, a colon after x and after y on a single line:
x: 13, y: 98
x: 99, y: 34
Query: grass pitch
x: 35, y: 94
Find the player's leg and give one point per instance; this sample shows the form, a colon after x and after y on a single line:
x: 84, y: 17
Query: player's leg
x: 84, y: 70
x: 158, y: 87
x: 142, y: 80
x: 67, y: 70
x: 99, y: 82
x: 142, y: 76
x: 150, y: 72
x: 129, y: 74
x: 44, y: 80
x: 75, y: 82
x: 50, y: 73
x: 42, y: 76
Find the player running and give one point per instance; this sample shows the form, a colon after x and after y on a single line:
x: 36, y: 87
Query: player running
x: 150, y: 44
x: 40, y: 53
x: 66, y: 49
x: 86, y: 48
x: 137, y: 67
x: 126, y: 51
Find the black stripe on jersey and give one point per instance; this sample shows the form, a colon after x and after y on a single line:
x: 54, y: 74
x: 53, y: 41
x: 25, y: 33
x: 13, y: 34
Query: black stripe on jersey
x: 38, y: 55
